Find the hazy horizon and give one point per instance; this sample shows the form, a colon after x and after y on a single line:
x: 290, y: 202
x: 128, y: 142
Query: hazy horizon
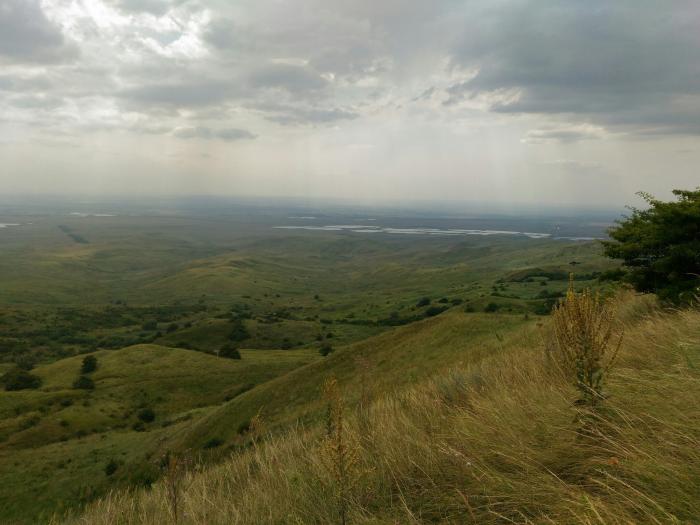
x: 520, y: 101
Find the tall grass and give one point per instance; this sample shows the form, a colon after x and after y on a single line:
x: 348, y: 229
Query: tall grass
x: 584, y: 326
x: 489, y: 443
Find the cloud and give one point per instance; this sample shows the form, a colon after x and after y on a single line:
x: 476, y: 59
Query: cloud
x: 296, y: 79
x: 564, y: 134
x: 623, y: 63
x: 27, y: 35
x: 190, y: 93
x: 225, y: 134
x: 154, y: 7
x: 290, y: 114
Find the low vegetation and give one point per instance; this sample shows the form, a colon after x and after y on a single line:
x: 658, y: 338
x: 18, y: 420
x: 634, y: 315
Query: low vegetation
x: 495, y: 440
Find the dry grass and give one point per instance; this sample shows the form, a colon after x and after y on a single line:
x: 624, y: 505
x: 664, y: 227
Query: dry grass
x: 584, y: 325
x: 490, y: 444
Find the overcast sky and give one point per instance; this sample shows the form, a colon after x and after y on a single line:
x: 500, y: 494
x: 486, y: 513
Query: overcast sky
x: 491, y: 100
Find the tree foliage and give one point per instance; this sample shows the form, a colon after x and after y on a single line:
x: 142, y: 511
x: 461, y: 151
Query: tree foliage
x: 89, y: 364
x: 660, y: 246
x: 19, y: 379
x: 229, y: 352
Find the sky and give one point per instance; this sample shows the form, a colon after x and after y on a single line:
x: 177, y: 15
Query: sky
x: 525, y: 101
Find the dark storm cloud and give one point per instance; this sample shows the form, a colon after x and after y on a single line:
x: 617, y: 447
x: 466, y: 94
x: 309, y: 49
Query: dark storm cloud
x: 631, y: 66
x: 27, y: 35
x: 632, y: 63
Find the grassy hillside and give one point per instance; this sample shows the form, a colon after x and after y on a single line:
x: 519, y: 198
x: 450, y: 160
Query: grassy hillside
x: 73, y: 434
x: 393, y: 360
x: 497, y: 439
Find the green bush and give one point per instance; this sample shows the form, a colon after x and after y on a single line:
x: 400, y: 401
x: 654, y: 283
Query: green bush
x: 491, y: 308
x: 229, y: 352
x: 435, y: 310
x: 111, y: 467
x: 18, y: 379
x: 147, y: 415
x: 325, y: 350
x: 213, y: 443
x: 238, y: 332
x: 150, y: 325
x: 89, y: 365
x: 425, y: 301
x: 84, y: 383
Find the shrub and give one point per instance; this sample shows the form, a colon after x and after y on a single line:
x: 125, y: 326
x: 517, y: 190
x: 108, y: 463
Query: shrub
x: 435, y: 310
x: 325, y: 350
x: 89, y: 364
x: 238, y: 332
x: 84, y: 383
x: 147, y: 415
x: 18, y: 379
x: 229, y: 352
x: 491, y: 308
x: 660, y: 246
x: 150, y: 325
x: 213, y: 443
x: 583, y: 330
x: 111, y: 467
x: 25, y: 362
x: 425, y: 301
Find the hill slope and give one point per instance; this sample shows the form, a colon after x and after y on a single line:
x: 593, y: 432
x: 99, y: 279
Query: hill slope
x: 73, y: 434
x: 495, y: 441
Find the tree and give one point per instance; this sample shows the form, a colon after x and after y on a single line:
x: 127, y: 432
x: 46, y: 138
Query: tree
x: 84, y: 383
x: 18, y: 379
x: 660, y: 246
x: 229, y: 352
x: 147, y: 415
x: 239, y: 332
x: 89, y: 364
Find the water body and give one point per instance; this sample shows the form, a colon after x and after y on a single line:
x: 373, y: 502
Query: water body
x: 362, y: 228
x: 79, y: 214
x: 394, y: 230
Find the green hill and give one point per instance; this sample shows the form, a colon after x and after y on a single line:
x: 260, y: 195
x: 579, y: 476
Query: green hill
x: 385, y: 363
x: 494, y: 438
x: 74, y: 434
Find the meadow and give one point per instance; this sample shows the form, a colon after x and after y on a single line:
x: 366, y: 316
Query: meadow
x: 156, y: 298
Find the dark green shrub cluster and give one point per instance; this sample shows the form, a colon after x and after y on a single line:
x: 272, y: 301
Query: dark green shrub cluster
x: 239, y: 332
x: 325, y: 350
x: 435, y: 310
x: 89, y: 364
x: 19, y: 379
x: 147, y: 415
x: 229, y: 352
x: 84, y: 382
x: 424, y: 301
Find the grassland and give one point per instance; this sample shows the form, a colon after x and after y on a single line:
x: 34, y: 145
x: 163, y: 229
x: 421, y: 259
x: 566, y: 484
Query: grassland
x: 495, y: 439
x: 155, y: 298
